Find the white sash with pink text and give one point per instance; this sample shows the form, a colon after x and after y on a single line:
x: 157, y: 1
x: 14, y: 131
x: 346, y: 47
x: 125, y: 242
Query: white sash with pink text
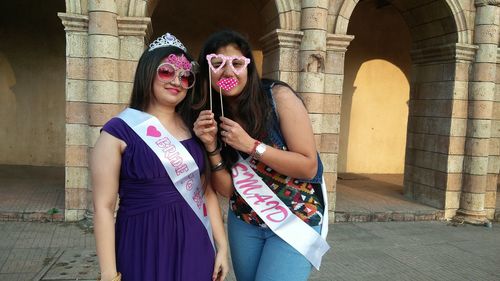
x: 277, y: 216
x: 179, y: 164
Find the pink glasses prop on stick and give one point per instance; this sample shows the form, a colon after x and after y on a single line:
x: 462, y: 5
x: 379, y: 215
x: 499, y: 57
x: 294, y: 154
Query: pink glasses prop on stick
x: 216, y: 62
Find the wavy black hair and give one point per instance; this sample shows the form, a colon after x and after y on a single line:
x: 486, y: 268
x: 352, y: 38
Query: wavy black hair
x: 253, y: 106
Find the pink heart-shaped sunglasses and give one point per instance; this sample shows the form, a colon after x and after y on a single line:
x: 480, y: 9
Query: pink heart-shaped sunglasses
x: 237, y: 63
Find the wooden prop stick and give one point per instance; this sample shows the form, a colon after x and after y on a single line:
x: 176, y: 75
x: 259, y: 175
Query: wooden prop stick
x: 221, y: 104
x: 210, y: 87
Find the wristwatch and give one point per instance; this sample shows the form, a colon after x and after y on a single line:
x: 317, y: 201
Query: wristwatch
x: 259, y: 151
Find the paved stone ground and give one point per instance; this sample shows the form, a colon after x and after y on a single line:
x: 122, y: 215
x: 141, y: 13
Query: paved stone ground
x: 378, y: 197
x: 416, y: 250
x: 427, y: 250
x: 29, y: 193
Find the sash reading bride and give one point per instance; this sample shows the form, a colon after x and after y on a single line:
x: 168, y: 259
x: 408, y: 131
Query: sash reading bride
x: 176, y: 160
x: 278, y: 216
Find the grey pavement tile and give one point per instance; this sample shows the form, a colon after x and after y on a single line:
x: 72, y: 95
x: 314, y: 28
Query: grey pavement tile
x: 427, y: 233
x: 36, y: 235
x: 30, y: 191
x: 360, y: 251
x: 69, y: 235
x: 74, y: 264
x: 16, y: 276
x: 490, y: 251
x: 348, y: 232
x: 411, y: 259
x: 376, y: 261
x: 10, y: 232
x: 4, y: 255
x: 450, y: 263
x: 25, y: 260
x: 459, y: 275
x: 89, y: 241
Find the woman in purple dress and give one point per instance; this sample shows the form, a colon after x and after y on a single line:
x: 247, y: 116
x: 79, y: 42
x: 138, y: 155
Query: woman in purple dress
x: 162, y: 231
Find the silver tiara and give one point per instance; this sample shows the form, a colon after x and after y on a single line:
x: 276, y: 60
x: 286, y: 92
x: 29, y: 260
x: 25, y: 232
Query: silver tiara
x: 167, y: 40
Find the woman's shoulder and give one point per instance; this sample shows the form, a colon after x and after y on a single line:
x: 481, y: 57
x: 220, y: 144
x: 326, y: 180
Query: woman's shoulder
x: 114, y: 123
x: 278, y: 88
x: 117, y: 128
x: 284, y: 96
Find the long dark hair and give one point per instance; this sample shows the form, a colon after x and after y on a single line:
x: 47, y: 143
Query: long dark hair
x: 253, y: 106
x: 145, y: 74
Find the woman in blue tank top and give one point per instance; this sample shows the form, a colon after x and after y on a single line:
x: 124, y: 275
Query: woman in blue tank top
x: 266, y: 122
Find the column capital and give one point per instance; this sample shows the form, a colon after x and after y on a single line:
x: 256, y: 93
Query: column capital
x: 480, y: 3
x: 446, y: 52
x: 135, y: 26
x: 74, y: 22
x: 321, y: 4
x: 281, y: 38
x: 338, y: 42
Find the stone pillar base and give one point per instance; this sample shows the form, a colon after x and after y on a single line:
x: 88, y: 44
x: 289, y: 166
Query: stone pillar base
x: 471, y: 217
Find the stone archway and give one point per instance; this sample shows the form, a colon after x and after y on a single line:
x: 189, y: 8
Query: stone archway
x: 442, y: 53
x: 338, y: 24
x: 31, y: 111
x: 104, y: 41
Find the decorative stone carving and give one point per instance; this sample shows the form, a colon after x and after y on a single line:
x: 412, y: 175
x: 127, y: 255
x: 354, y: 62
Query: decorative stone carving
x: 315, y: 63
x: 479, y: 3
x: 135, y: 26
x: 443, y: 53
x: 338, y: 42
x: 281, y: 38
x: 74, y: 22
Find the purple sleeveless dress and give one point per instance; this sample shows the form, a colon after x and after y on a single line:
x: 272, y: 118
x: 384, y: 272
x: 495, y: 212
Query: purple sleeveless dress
x: 158, y: 236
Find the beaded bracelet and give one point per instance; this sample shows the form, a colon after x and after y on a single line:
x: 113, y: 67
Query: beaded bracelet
x: 219, y: 166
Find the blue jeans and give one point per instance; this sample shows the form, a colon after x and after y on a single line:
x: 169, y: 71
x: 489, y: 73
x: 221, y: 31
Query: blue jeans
x: 260, y: 255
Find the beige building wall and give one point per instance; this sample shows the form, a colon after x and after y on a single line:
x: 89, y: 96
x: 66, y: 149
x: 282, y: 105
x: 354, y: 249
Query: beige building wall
x: 374, y: 111
x: 60, y: 82
x: 32, y: 75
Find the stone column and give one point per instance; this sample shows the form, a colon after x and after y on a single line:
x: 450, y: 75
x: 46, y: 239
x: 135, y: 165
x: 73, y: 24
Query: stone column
x: 133, y: 32
x: 336, y: 46
x: 492, y: 205
x: 312, y: 52
x: 437, y: 125
x: 480, y: 109
x: 103, y: 87
x: 281, y: 51
x: 76, y: 150
x: 321, y: 106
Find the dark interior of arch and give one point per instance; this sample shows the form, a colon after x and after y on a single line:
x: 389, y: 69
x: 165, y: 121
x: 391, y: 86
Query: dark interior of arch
x: 431, y: 22
x: 194, y: 21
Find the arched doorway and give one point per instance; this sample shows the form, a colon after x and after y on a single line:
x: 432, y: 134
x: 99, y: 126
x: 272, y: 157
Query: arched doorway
x: 423, y: 46
x: 190, y: 22
x: 32, y: 111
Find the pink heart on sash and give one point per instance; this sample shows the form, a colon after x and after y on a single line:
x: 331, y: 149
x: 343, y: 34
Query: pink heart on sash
x: 153, y: 132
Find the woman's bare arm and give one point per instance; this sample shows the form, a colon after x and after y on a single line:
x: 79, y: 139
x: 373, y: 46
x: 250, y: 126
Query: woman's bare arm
x: 105, y: 168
